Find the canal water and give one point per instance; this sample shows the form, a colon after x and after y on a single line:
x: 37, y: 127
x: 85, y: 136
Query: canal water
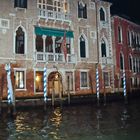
x: 115, y: 121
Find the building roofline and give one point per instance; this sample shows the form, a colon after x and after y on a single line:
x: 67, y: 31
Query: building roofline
x: 103, y: 1
x: 125, y: 19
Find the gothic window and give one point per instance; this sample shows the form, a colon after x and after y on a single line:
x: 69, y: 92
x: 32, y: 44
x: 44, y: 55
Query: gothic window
x: 48, y: 44
x: 102, y: 15
x: 58, y: 41
x: 20, y: 3
x: 129, y: 38
x: 121, y: 62
x: 119, y: 34
x: 103, y: 49
x: 82, y: 47
x: 82, y: 10
x: 39, y: 43
x: 137, y: 65
x: 20, y: 41
x: 130, y: 63
x: 134, y: 64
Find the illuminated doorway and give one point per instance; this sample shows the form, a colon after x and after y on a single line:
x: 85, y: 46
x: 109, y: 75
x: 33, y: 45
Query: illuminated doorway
x: 55, y: 84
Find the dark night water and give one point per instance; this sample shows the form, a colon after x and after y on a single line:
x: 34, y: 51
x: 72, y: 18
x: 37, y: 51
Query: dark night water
x: 115, y: 121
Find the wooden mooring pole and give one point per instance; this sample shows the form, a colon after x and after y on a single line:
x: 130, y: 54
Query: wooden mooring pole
x: 1, y: 92
x: 14, y: 101
x: 0, y: 105
x: 53, y: 94
x: 68, y: 90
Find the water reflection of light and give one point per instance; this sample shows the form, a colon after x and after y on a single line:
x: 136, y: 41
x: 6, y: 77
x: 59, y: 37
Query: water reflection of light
x: 98, y: 116
x: 20, y: 123
x: 57, y: 117
x: 124, y: 118
x: 56, y: 120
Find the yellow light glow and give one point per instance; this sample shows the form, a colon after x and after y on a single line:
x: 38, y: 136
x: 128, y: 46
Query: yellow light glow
x: 37, y: 78
x: 56, y: 76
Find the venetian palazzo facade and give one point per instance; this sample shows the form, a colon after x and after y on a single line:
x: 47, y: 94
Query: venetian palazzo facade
x: 126, y: 44
x: 31, y: 36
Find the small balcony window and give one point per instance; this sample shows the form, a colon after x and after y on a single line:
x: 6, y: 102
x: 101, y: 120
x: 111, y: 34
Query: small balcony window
x: 20, y: 41
x: 102, y: 15
x: 82, y: 10
x: 20, y: 3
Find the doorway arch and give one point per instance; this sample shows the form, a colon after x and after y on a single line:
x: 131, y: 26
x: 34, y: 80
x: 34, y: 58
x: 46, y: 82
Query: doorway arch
x: 55, y: 84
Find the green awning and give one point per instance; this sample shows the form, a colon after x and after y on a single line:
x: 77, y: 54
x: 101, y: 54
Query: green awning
x: 52, y: 32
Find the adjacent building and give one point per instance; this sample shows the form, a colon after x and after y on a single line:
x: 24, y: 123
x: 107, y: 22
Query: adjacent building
x: 126, y: 46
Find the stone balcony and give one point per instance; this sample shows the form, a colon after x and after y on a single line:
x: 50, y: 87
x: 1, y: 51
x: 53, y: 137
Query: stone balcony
x: 106, y: 61
x: 50, y: 15
x: 54, y: 57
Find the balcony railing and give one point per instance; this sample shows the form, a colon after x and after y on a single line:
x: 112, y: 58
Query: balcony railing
x: 54, y: 57
x: 104, y: 24
x: 53, y: 15
x: 107, y: 60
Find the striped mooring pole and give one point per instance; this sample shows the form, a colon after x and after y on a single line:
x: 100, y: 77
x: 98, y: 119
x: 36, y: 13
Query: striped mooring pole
x: 8, y: 70
x: 45, y: 84
x: 124, y: 83
x: 124, y: 86
x: 97, y: 85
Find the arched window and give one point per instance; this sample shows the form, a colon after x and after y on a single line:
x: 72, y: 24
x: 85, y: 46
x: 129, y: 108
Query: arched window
x: 134, y: 64
x: 102, y: 15
x: 20, y: 41
x: 129, y: 37
x: 82, y: 10
x: 130, y: 63
x: 48, y: 44
x: 39, y: 43
x: 103, y: 48
x: 58, y: 41
x: 82, y: 47
x: 119, y: 34
x: 121, y: 61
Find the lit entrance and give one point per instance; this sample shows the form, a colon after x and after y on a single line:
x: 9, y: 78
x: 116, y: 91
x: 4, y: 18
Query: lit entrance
x: 55, y: 84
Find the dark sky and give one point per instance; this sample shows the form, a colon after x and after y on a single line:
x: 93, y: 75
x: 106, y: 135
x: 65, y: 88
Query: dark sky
x: 129, y: 8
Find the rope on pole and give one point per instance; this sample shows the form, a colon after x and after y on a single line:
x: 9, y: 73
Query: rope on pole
x: 45, y: 85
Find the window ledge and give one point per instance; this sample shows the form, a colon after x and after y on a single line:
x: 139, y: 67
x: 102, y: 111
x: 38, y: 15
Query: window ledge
x: 79, y: 19
x: 21, y: 89
x: 84, y: 88
x: 21, y: 9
